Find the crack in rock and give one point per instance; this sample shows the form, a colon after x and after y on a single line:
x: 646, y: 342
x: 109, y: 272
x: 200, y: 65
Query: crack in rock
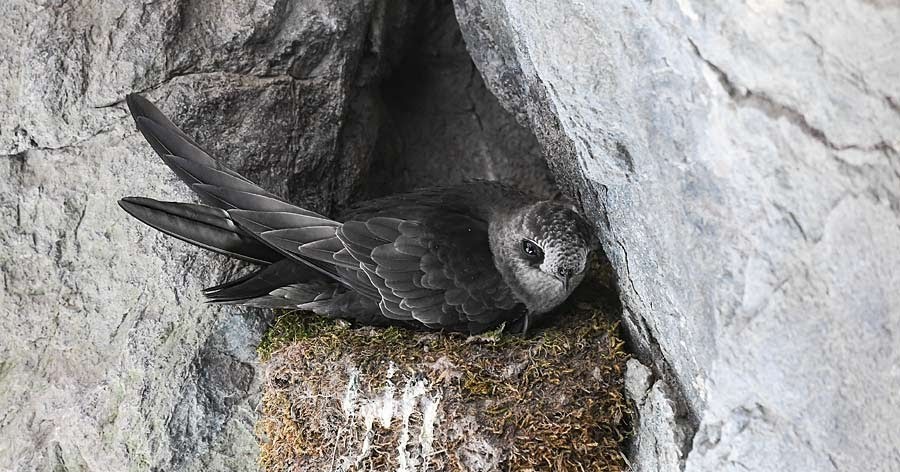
x: 775, y: 110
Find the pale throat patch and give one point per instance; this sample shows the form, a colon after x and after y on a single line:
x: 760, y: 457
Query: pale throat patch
x: 544, y: 292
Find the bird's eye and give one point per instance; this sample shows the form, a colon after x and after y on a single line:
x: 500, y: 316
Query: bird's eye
x: 531, y: 250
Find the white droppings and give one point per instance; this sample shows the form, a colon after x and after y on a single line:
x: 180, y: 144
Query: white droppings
x: 408, y: 403
x: 415, y: 442
x: 387, y: 399
x: 367, y: 441
x: 349, y: 400
x: 429, y: 420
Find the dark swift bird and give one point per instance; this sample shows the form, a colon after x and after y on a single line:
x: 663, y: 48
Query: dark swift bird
x: 465, y: 258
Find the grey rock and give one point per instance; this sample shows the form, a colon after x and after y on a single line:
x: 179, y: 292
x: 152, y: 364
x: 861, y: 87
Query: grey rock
x: 742, y: 165
x: 440, y: 121
x: 638, y: 379
x: 740, y: 160
x: 658, y: 445
x: 109, y: 359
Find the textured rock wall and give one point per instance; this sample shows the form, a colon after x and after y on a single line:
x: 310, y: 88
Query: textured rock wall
x: 441, y: 123
x: 109, y: 359
x: 741, y: 162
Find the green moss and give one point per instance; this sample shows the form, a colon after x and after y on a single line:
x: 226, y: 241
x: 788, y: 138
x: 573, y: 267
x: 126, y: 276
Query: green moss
x: 292, y: 326
x: 553, y: 400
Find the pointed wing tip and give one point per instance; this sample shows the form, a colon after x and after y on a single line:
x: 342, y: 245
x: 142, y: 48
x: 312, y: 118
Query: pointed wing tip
x: 138, y: 105
x: 127, y: 204
x: 143, y: 208
x: 133, y: 204
x: 132, y: 98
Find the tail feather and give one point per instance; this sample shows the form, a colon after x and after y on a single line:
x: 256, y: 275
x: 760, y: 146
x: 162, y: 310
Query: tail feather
x: 230, y: 283
x: 303, y: 297
x: 207, y: 227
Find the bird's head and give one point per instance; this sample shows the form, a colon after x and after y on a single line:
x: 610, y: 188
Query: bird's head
x: 542, y: 251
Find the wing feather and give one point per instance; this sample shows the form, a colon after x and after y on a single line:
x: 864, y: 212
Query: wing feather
x: 438, y: 271
x: 344, y: 258
x: 386, y: 229
x: 389, y: 259
x: 206, y: 227
x: 230, y: 198
x: 194, y: 173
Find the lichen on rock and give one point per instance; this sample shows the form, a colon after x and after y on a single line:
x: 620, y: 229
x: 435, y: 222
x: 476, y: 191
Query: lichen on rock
x: 343, y: 398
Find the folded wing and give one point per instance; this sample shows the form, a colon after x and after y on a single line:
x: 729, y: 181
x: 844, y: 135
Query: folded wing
x: 282, y: 281
x: 411, y: 258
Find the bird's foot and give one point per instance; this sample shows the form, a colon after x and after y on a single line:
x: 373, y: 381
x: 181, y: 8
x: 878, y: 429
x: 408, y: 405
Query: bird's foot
x: 491, y: 336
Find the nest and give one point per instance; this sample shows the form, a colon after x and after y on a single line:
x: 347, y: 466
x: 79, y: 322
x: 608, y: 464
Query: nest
x: 342, y: 398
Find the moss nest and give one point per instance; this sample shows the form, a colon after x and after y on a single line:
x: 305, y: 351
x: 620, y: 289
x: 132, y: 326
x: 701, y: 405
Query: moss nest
x: 343, y: 398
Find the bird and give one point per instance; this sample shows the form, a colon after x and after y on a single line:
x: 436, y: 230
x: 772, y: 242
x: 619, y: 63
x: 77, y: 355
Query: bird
x: 469, y: 257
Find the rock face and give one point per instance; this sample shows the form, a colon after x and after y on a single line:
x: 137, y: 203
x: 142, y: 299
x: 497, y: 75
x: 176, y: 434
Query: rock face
x: 442, y: 124
x: 741, y: 162
x: 109, y: 359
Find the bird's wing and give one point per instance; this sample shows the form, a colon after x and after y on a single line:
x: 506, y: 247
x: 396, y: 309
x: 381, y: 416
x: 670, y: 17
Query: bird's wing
x: 438, y: 270
x: 207, y: 227
x: 419, y: 256
x: 216, y: 184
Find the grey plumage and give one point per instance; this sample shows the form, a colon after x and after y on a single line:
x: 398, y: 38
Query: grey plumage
x: 466, y: 257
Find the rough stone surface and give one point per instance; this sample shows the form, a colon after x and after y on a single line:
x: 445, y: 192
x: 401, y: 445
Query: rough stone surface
x: 741, y: 164
x: 659, y: 439
x: 441, y: 122
x: 109, y: 359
